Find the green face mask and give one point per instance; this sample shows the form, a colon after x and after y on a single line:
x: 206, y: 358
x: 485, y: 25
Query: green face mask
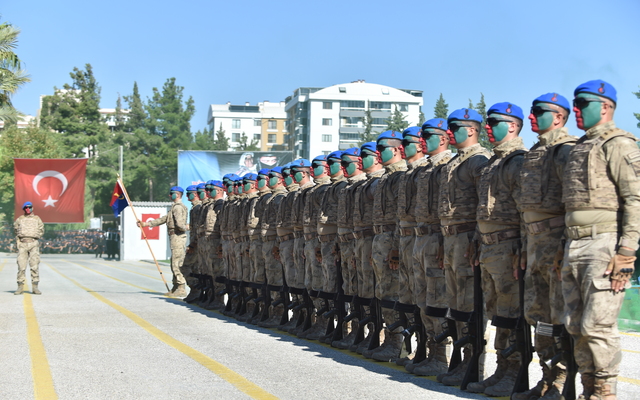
x: 386, y: 154
x: 298, y: 176
x: 191, y: 196
x: 247, y: 186
x: 273, y: 181
x: 202, y: 195
x: 544, y: 121
x: 411, y: 150
x: 174, y: 196
x: 367, y: 161
x: 351, y: 168
x: 261, y: 183
x: 240, y: 189
x: 461, y: 135
x: 318, y: 171
x: 229, y: 189
x: 288, y: 180
x: 334, y: 168
x: 433, y: 143
x: 591, y: 113
x: 500, y: 131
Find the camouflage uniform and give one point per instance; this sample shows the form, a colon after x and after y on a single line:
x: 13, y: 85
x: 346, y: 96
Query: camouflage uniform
x: 28, y: 229
x: 190, y: 263
x: 328, y: 233
x: 273, y: 267
x: 210, y: 239
x: 313, y: 269
x: 285, y: 230
x: 227, y: 243
x: 600, y: 193
x: 345, y: 234
x: 176, y: 220
x: 297, y: 220
x: 256, y: 215
x: 247, y: 249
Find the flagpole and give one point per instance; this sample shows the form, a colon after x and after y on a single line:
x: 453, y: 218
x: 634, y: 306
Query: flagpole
x: 144, y: 235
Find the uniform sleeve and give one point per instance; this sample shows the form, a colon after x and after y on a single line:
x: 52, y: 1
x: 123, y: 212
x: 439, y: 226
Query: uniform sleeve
x: 476, y: 166
x: 16, y: 224
x: 561, y: 157
x: 623, y: 159
x: 40, y: 228
x: 180, y: 218
x: 158, y: 221
x: 512, y: 175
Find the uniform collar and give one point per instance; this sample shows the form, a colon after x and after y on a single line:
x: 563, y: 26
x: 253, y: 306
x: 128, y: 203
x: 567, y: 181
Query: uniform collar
x: 279, y: 190
x: 322, y: 181
x: 396, y: 166
x: 357, y: 178
x: 553, y: 135
x: 293, y: 187
x: 435, y: 160
x: 376, y: 174
x: 417, y: 163
x: 598, y: 130
x: 465, y: 150
x: 509, y: 147
x: 308, y: 184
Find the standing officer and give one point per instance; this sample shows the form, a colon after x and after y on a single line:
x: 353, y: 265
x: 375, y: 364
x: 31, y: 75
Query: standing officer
x: 210, y: 237
x: 190, y: 265
x: 28, y: 229
x: 600, y: 193
x: 176, y: 220
x: 385, y: 254
x: 459, y: 181
x: 428, y: 275
x: 498, y: 232
x: 543, y: 215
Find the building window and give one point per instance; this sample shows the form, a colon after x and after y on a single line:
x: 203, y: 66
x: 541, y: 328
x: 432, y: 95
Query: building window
x: 327, y: 105
x: 352, y: 122
x: 327, y: 121
x: 380, y: 105
x: 285, y: 126
x: 326, y: 138
x: 256, y: 136
x: 403, y: 107
x: 235, y: 124
x: 352, y: 104
x: 272, y: 138
x: 273, y: 125
x: 257, y: 122
x: 378, y: 121
x: 235, y: 136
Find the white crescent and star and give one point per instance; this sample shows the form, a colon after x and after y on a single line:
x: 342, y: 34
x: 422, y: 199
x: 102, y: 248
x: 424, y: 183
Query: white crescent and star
x: 50, y: 174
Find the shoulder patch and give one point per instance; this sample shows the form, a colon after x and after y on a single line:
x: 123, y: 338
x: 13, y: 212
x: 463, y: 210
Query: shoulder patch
x: 633, y: 157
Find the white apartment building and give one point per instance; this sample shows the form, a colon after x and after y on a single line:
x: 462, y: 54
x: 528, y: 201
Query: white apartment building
x: 322, y: 120
x: 23, y: 121
x: 265, y: 122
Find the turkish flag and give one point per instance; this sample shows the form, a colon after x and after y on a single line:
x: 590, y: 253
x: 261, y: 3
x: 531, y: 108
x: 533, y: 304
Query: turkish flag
x: 152, y: 232
x: 54, y: 186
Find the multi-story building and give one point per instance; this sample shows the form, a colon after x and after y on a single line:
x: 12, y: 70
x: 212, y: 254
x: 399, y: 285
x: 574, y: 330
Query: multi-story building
x: 264, y: 124
x: 333, y: 118
x: 23, y: 122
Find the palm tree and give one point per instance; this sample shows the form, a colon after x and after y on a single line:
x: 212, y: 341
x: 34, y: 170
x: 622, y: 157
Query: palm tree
x: 12, y: 76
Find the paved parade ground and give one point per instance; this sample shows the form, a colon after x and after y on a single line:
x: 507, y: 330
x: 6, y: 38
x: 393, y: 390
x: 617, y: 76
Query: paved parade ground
x: 103, y: 330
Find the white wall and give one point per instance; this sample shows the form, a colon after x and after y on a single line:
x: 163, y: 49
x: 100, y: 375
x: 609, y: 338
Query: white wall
x: 135, y: 247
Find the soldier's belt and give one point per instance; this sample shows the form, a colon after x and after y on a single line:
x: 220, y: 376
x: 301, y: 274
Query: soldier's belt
x: 452, y: 230
x: 241, y: 239
x: 579, y: 232
x: 28, y: 240
x: 378, y: 229
x: 227, y: 237
x: 500, y: 236
x: 327, y: 238
x: 545, y: 225
x: 254, y: 237
x: 365, y: 233
x: 310, y: 236
x: 269, y: 238
x: 347, y: 237
x: 427, y: 229
x: 286, y: 237
x: 407, y: 231
x: 297, y: 234
x: 176, y: 232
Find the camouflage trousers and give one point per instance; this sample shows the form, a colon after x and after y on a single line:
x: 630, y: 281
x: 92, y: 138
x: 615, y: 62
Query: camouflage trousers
x: 227, y: 267
x: 543, y: 299
x: 257, y: 274
x: 28, y: 253
x: 204, y: 248
x: 273, y: 267
x: 288, y: 262
x: 348, y: 268
x: 429, y: 286
x: 313, y: 269
x: 406, y: 283
x: 213, y: 262
x: 591, y: 307
x: 299, y: 263
x: 190, y: 266
x: 364, y: 267
x: 387, y: 285
x: 330, y: 270
x: 177, y: 244
x: 458, y: 272
x: 243, y: 261
x: 500, y: 288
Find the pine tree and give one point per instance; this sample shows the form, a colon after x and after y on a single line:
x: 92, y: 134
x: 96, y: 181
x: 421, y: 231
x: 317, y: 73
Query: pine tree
x: 441, y: 110
x: 222, y: 141
x: 637, y: 115
x: 481, y: 108
x: 421, y: 118
x: 396, y: 122
x: 367, y: 135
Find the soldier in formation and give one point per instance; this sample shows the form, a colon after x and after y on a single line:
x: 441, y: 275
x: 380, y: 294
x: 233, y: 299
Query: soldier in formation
x: 28, y: 229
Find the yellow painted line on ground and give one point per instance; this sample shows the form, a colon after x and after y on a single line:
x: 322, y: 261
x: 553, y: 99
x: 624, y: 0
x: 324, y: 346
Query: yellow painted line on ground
x: 110, y: 277
x: 629, y: 380
x: 42, y: 381
x: 126, y: 270
x: 237, y: 380
x: 3, y: 264
x: 629, y: 334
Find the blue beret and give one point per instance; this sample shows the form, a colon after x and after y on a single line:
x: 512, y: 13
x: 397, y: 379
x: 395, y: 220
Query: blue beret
x: 237, y: 179
x: 301, y: 163
x: 28, y: 203
x: 190, y: 188
x: 370, y: 146
x: 264, y: 171
x: 177, y: 189
x: 201, y: 186
x: 412, y: 131
x: 287, y: 166
x: 354, y: 151
x: 216, y: 184
x: 508, y: 109
x: 250, y: 177
x: 322, y: 158
x: 436, y: 123
x: 389, y: 135
x: 277, y: 170
x: 599, y: 88
x: 336, y: 154
x: 554, y: 98
x: 465, y: 114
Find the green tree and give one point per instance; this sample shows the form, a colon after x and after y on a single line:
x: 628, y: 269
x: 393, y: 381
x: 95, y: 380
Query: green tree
x: 481, y: 108
x: 421, y: 118
x: 637, y: 115
x: 441, y: 110
x: 12, y: 76
x: 368, y: 135
x: 243, y: 144
x: 222, y: 141
x: 396, y: 122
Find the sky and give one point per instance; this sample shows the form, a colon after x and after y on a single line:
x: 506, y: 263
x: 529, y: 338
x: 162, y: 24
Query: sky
x: 251, y: 51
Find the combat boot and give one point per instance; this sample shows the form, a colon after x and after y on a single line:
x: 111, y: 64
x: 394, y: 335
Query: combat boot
x: 391, y: 352
x: 34, y: 288
x: 291, y: 323
x: 431, y: 351
x: 479, y: 387
x: 194, y: 294
x: 438, y: 361
x: 363, y: 345
x: 368, y: 353
x: 588, y: 382
x: 274, y: 320
x: 318, y: 330
x: 173, y: 289
x: 604, y: 389
x: 505, y: 385
x: 347, y: 340
x: 557, y: 380
x: 455, y: 376
x: 179, y: 292
x: 20, y: 289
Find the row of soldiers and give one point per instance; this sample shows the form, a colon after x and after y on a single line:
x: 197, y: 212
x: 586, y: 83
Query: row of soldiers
x: 401, y: 237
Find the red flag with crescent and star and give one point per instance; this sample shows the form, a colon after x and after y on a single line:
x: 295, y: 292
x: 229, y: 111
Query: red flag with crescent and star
x: 54, y: 186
